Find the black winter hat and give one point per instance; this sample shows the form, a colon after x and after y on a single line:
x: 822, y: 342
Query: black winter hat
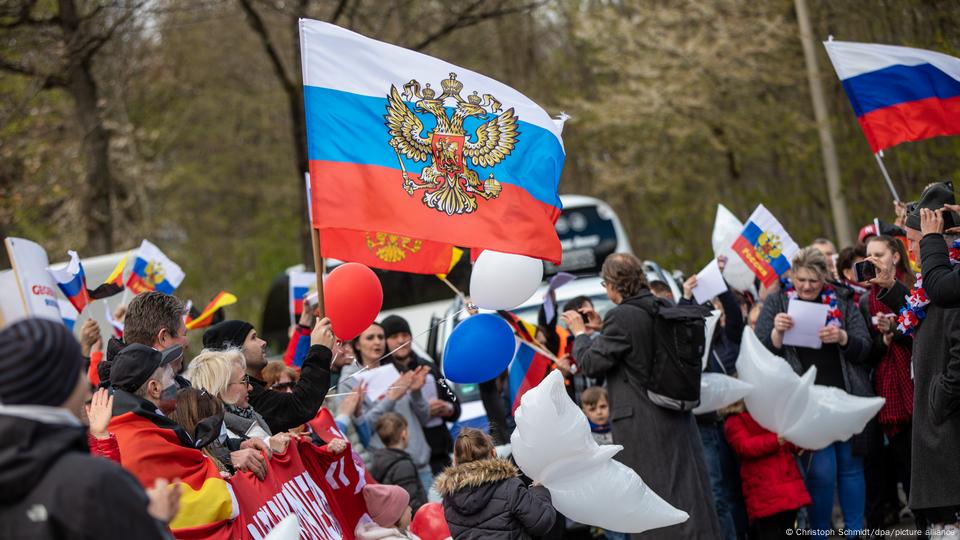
x: 40, y: 363
x: 933, y: 198
x: 226, y: 334
x: 393, y: 325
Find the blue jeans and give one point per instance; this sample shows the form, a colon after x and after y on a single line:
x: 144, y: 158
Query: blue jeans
x: 713, y: 443
x: 827, y: 470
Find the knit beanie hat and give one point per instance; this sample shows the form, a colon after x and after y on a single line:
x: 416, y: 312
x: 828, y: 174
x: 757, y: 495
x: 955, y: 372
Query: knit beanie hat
x: 385, y: 504
x: 394, y: 324
x: 226, y: 334
x: 40, y: 363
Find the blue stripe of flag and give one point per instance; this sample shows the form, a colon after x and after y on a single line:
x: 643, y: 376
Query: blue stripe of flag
x: 898, y: 84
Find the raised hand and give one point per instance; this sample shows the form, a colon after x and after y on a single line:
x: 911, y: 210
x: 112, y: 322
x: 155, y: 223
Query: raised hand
x: 322, y: 334
x: 400, y: 386
x: 89, y: 337
x: 99, y: 413
x: 886, y: 273
x: 352, y: 402
x: 931, y: 221
x: 688, y: 286
x: 574, y: 322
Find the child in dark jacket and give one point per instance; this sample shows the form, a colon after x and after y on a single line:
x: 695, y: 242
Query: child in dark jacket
x: 773, y: 488
x: 393, y: 465
x: 596, y: 407
x: 484, y: 498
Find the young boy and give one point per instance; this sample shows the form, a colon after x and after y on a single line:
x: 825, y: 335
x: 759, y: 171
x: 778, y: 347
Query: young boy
x: 596, y: 406
x: 393, y: 465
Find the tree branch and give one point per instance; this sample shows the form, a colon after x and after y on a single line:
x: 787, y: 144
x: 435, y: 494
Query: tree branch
x: 465, y: 19
x: 49, y: 80
x: 21, y: 16
x: 337, y: 13
x: 94, y: 44
x: 259, y: 28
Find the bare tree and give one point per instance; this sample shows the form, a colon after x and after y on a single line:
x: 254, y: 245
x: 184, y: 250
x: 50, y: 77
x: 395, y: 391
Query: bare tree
x: 77, y: 33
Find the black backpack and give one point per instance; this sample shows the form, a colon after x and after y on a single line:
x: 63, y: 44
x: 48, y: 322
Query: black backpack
x: 672, y: 379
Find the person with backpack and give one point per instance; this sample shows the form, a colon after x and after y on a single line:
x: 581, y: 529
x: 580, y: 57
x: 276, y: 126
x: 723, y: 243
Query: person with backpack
x: 653, y: 385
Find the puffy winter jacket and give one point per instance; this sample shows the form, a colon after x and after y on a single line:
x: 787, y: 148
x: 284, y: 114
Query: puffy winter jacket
x: 395, y: 467
x: 771, y: 478
x: 485, y: 499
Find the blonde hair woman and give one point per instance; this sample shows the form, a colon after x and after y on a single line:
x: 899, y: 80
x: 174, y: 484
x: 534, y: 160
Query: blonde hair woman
x: 223, y: 374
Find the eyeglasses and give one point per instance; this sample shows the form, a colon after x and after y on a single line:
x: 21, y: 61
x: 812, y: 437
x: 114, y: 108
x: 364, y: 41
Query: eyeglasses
x: 603, y: 283
x: 244, y: 381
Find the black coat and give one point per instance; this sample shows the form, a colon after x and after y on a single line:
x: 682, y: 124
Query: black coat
x: 396, y: 468
x: 662, y: 446
x: 934, y: 472
x: 485, y: 500
x: 51, y: 487
x: 284, y: 410
x: 941, y: 280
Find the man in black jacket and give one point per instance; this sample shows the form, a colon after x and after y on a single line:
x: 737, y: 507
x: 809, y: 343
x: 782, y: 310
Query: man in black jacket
x: 934, y: 474
x: 50, y: 485
x: 281, y: 410
x: 445, y: 407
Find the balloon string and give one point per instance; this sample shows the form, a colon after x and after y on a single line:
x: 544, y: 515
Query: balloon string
x: 402, y: 345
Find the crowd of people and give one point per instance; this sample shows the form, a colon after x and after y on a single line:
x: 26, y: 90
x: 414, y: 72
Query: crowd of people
x: 87, y: 431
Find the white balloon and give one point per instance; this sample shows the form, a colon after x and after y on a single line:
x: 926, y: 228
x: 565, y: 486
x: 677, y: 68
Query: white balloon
x: 773, y: 380
x: 726, y: 229
x: 718, y: 391
x: 808, y: 415
x: 709, y: 327
x: 504, y: 280
x: 553, y: 446
x: 287, y: 529
x: 832, y: 415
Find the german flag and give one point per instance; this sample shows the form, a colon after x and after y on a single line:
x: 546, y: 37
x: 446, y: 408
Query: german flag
x: 206, y: 316
x: 153, y: 446
x: 113, y: 284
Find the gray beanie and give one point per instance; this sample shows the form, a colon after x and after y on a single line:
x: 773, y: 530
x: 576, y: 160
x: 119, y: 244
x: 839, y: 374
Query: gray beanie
x: 40, y: 362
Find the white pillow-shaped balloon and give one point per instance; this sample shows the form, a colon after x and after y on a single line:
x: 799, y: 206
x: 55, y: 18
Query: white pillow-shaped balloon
x: 726, y: 229
x: 614, y: 498
x: 709, y: 327
x: 831, y: 415
x: 287, y: 529
x: 773, y: 380
x: 587, y: 485
x: 504, y: 280
x: 718, y: 391
x: 791, y: 409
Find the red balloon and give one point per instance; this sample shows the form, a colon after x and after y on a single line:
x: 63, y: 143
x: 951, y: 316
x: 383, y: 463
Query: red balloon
x: 352, y: 298
x: 429, y: 523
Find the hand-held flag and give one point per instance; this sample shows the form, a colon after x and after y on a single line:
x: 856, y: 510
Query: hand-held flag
x: 223, y: 298
x: 154, y: 271
x: 425, y: 151
x: 765, y: 246
x: 899, y: 94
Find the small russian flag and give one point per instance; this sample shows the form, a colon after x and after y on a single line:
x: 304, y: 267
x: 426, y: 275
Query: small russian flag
x: 73, y: 282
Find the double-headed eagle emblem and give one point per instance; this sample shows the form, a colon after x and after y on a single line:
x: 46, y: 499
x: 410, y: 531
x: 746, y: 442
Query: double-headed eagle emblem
x: 448, y: 185
x: 769, y: 247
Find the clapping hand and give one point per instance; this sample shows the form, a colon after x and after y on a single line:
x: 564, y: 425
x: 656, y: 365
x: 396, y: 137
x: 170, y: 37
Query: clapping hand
x: 419, y: 378
x: 351, y: 403
x: 400, y: 386
x: 164, y: 500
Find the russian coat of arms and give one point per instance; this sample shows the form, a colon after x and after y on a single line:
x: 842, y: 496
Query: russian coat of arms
x: 448, y: 185
x: 153, y: 273
x: 768, y: 246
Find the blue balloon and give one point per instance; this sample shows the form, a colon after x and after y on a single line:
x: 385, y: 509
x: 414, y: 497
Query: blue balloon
x: 478, y: 350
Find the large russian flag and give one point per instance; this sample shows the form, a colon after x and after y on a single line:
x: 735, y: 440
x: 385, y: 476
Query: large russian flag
x: 406, y: 144
x: 899, y: 94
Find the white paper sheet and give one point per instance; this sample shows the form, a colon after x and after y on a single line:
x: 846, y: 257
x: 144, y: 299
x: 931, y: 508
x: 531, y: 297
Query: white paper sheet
x: 808, y: 319
x: 709, y: 283
x: 378, y: 380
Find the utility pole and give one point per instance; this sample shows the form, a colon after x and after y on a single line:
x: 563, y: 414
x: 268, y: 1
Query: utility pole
x: 831, y: 168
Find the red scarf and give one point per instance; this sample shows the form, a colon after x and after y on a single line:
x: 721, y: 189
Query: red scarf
x: 892, y: 377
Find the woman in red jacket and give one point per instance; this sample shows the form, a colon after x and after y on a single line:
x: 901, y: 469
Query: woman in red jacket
x: 773, y: 488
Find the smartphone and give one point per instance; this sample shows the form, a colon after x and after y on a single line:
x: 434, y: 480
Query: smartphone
x: 864, y: 271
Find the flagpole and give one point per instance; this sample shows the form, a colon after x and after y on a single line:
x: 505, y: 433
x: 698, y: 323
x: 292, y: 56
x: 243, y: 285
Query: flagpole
x: 318, y: 266
x: 886, y: 176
